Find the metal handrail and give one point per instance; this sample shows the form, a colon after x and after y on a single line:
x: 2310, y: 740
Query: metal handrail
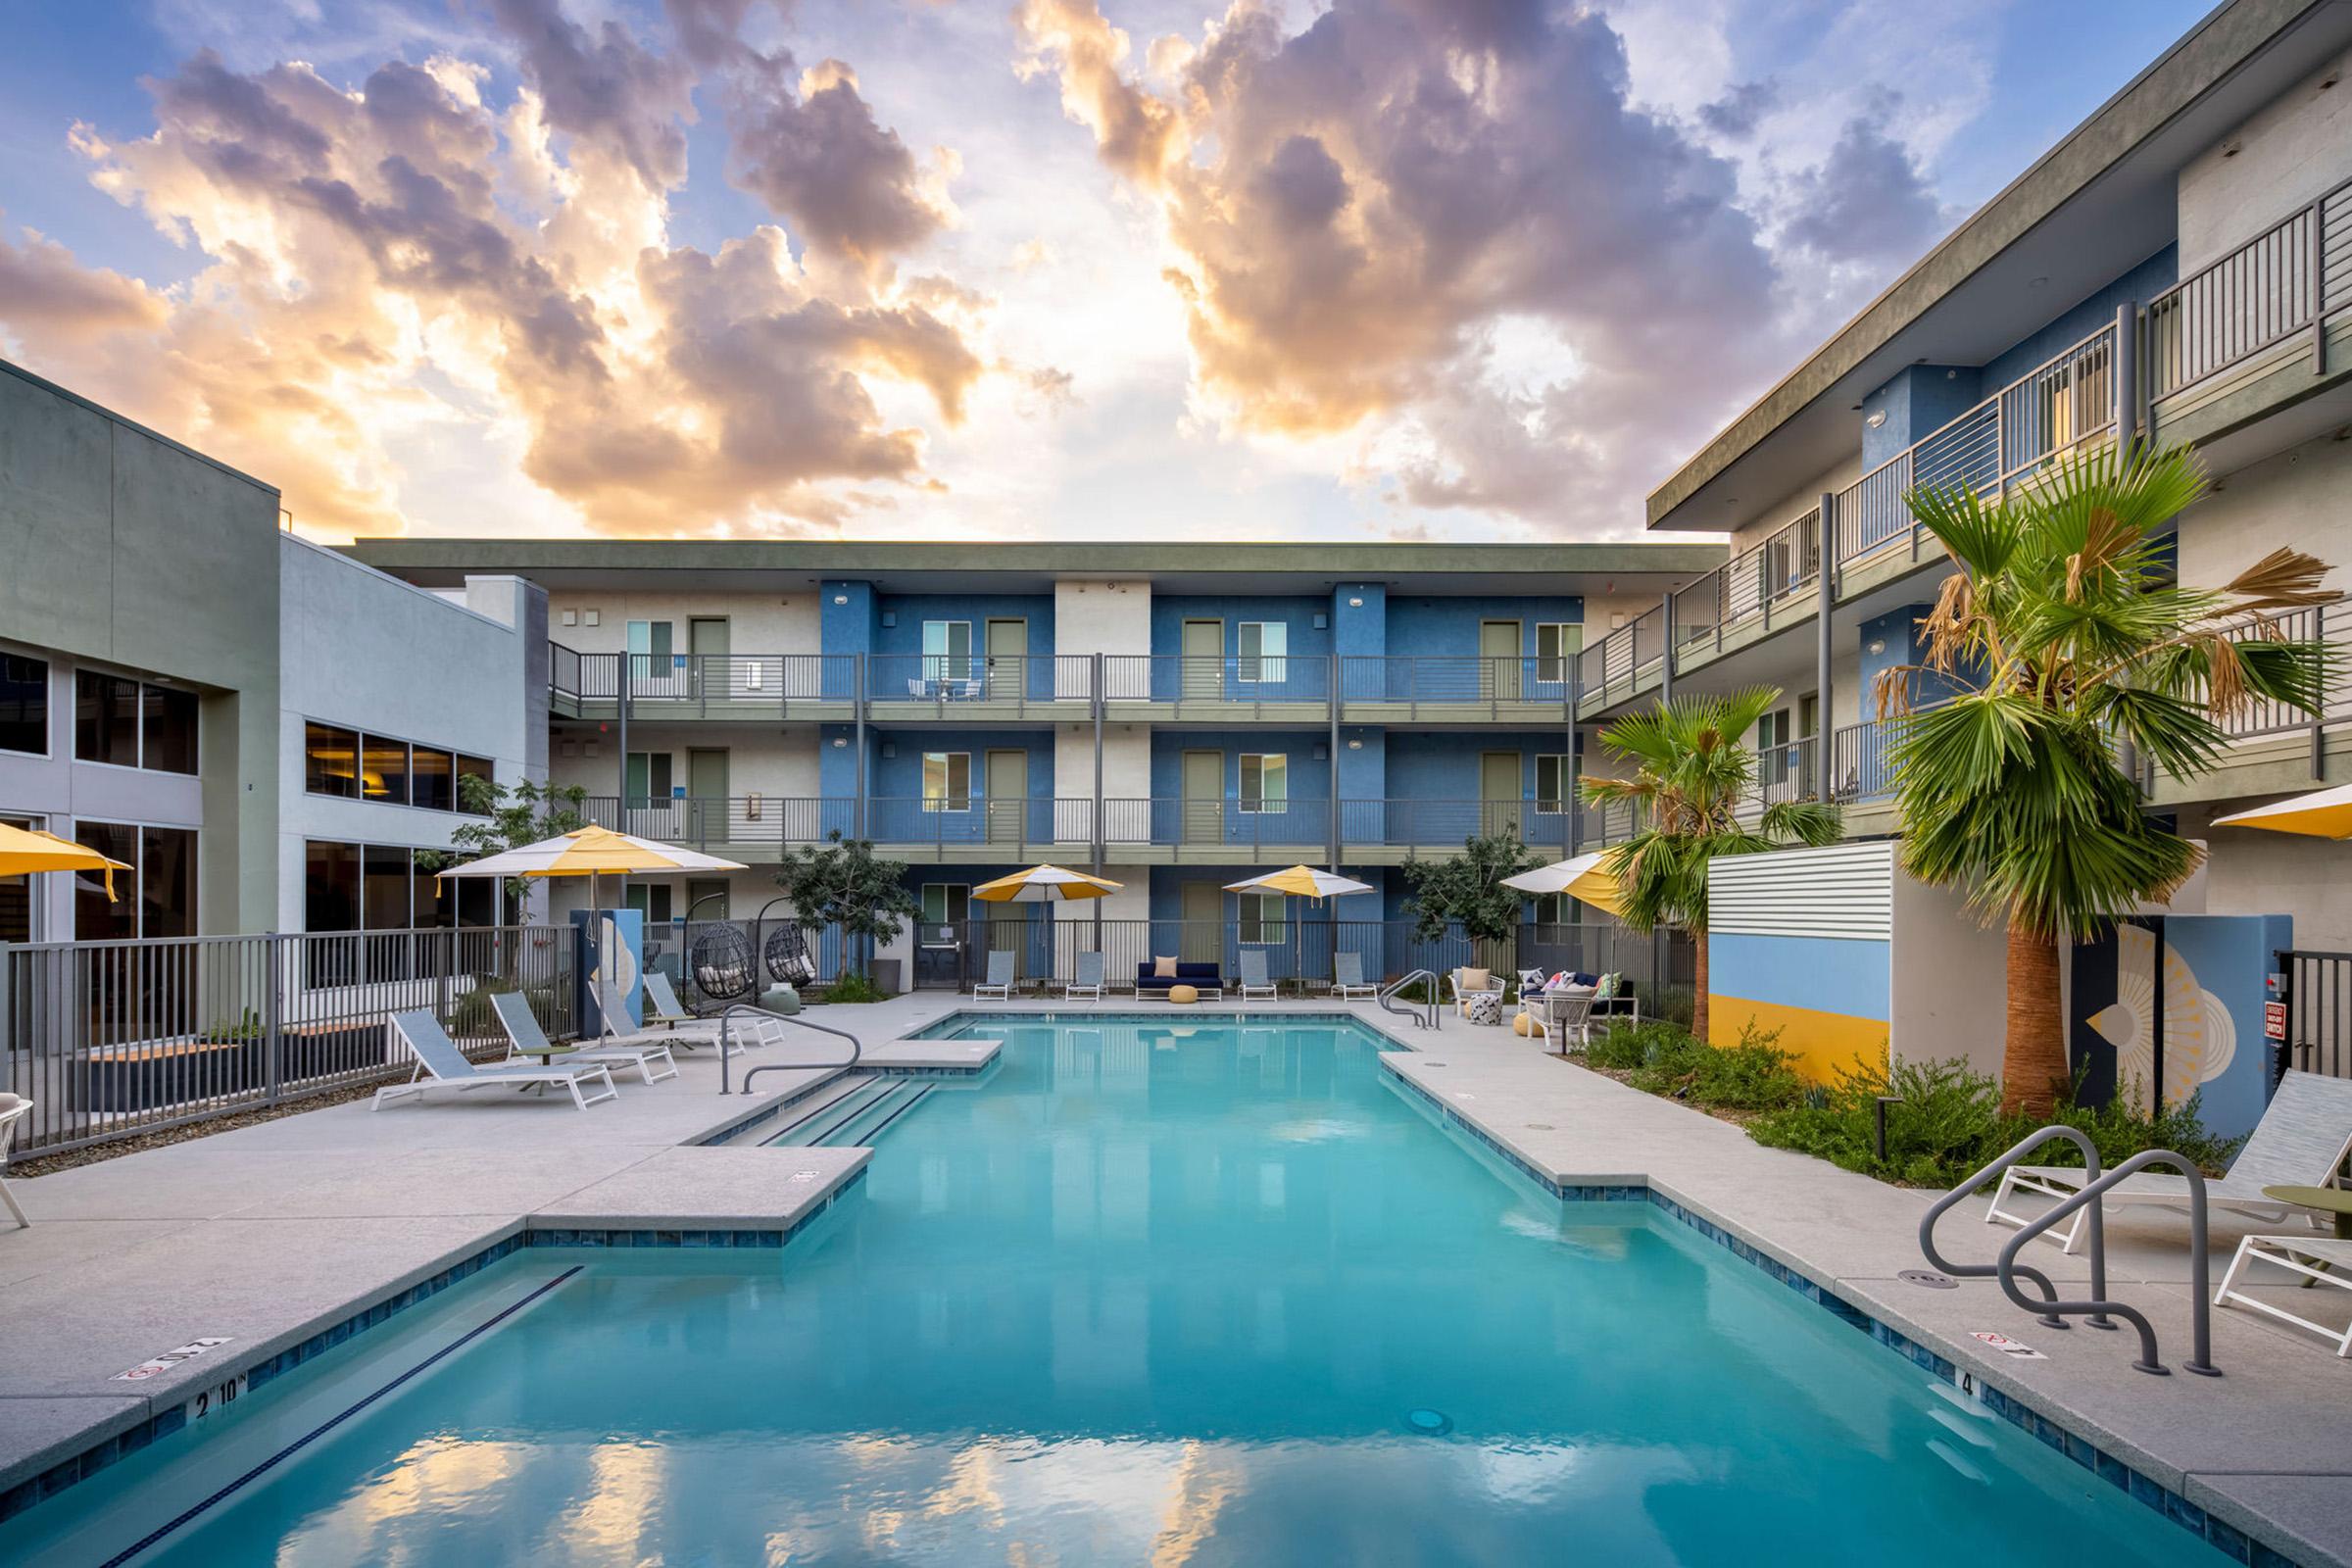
x: 1423, y: 1016
x: 2200, y: 1294
x: 726, y: 1034
x: 2049, y: 1293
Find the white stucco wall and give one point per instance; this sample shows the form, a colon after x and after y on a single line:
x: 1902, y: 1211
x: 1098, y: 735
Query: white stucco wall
x: 758, y: 623
x: 2289, y: 152
x: 1092, y: 617
x: 2295, y: 499
x: 1770, y: 518
x: 1946, y: 964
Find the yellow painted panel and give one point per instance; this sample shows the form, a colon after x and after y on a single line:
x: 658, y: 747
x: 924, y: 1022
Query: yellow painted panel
x: 1824, y: 1042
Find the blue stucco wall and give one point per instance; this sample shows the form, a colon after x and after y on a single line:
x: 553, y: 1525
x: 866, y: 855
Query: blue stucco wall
x: 901, y: 644
x: 1448, y: 628
x: 848, y: 627
x: 2078, y: 320
x: 1920, y: 400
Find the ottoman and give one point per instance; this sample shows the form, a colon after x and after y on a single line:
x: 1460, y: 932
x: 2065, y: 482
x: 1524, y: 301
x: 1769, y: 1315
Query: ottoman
x: 1486, y: 1007
x: 1184, y: 993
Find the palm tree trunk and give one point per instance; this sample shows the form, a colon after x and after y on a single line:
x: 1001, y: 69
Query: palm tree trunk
x: 2034, y: 1051
x: 1698, y: 988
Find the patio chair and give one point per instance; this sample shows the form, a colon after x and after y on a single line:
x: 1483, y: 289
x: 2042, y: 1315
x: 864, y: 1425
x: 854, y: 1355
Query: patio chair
x: 1000, y: 976
x: 1347, y: 976
x: 446, y: 1067
x: 1089, y: 978
x: 1561, y: 1016
x: 514, y: 1015
x: 661, y: 1006
x: 2300, y: 1142
x: 612, y: 1009
x: 13, y: 1109
x: 1254, y: 976
x: 1478, y: 1003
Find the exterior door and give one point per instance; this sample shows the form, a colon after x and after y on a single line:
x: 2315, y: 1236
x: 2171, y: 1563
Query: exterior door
x: 1499, y: 791
x: 714, y: 888
x: 706, y: 640
x: 1007, y: 794
x: 707, y: 814
x: 1007, y: 659
x: 1203, y: 658
x: 1499, y: 659
x: 1204, y: 909
x: 1204, y: 803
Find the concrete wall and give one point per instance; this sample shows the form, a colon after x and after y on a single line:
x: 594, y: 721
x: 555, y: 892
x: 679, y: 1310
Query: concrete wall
x: 1770, y: 518
x: 127, y: 550
x: 758, y: 623
x: 2292, y: 150
x: 2293, y: 499
x: 1949, y: 971
x: 2080, y: 320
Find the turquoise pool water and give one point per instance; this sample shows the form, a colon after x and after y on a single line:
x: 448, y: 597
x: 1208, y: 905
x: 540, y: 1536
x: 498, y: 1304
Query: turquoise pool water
x: 1152, y: 1293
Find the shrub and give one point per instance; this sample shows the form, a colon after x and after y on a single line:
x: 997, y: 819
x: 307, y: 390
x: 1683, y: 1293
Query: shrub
x: 852, y: 985
x: 1663, y: 1058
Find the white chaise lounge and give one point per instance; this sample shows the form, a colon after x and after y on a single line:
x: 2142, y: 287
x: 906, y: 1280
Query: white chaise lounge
x: 445, y: 1067
x: 1254, y: 976
x: 515, y: 1013
x: 1089, y: 978
x: 1000, y: 976
x: 13, y: 1109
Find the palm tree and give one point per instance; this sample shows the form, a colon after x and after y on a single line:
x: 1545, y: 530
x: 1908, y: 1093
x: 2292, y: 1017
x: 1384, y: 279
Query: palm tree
x: 1694, y: 774
x: 2062, y: 633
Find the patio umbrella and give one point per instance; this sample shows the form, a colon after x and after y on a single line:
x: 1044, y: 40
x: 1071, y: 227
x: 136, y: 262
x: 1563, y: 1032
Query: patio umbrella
x: 1301, y: 881
x: 2321, y: 814
x: 1045, y: 884
x: 1584, y: 877
x: 26, y: 850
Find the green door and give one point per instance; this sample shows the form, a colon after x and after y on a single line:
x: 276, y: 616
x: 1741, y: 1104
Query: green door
x: 1204, y: 909
x: 1500, y: 791
x: 1008, y: 658
x: 1203, y: 658
x: 1007, y: 794
x: 1204, y: 803
x: 707, y: 813
x: 712, y: 888
x: 1499, y: 659
x: 707, y: 642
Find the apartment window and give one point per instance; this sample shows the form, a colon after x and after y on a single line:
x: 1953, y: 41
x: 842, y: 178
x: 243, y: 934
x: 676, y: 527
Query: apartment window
x: 947, y: 781
x: 1262, y: 919
x: 432, y: 779
x: 651, y: 777
x: 330, y: 886
x: 168, y: 730
x: 1555, y: 648
x: 330, y: 761
x: 653, y: 901
x: 1265, y: 781
x: 946, y: 907
x: 650, y: 644
x: 384, y: 770
x: 1555, y: 908
x: 946, y: 649
x: 381, y: 887
x: 157, y: 895
x: 16, y: 893
x: 477, y: 800
x: 1775, y: 763
x: 1556, y: 783
x: 1263, y: 647
x: 23, y: 705
x: 388, y: 881
x: 105, y: 719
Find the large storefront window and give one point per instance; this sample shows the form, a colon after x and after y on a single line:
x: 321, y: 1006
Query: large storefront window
x: 154, y: 898
x: 125, y: 723
x: 23, y: 705
x: 16, y: 893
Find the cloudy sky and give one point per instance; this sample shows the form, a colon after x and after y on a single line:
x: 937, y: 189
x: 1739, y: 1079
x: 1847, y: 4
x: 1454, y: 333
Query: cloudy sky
x: 941, y: 269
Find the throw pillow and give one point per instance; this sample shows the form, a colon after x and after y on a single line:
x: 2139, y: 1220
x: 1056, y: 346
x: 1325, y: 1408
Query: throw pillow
x: 1606, y: 990
x: 1561, y: 981
x: 1478, y: 979
x: 1163, y: 969
x: 1530, y: 980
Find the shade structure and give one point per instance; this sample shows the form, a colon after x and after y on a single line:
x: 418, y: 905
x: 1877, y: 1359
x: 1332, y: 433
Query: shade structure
x: 2320, y: 815
x: 1584, y: 877
x: 1301, y: 881
x: 26, y: 850
x: 592, y: 851
x: 1045, y: 884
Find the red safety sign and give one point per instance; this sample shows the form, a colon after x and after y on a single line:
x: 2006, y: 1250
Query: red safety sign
x: 2274, y: 1020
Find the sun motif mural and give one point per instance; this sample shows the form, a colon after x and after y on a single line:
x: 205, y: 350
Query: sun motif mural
x: 2199, y: 1036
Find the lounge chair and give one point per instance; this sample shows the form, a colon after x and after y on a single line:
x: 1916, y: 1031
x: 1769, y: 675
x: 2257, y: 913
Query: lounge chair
x: 1000, y: 976
x: 514, y: 1011
x: 1254, y: 976
x: 1347, y: 976
x: 13, y: 1109
x: 612, y: 1011
x: 2311, y: 1260
x: 438, y: 1057
x: 1089, y: 978
x: 661, y: 1006
x: 2300, y: 1142
x: 1615, y: 1003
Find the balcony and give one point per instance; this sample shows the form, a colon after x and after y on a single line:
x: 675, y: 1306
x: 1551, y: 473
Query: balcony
x: 1159, y: 831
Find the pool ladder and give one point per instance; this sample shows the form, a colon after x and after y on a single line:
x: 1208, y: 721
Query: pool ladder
x: 1423, y: 1014
x: 762, y: 1021
x: 2053, y: 1311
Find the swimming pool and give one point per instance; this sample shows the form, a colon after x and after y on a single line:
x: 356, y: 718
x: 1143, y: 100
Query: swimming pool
x: 1157, y: 1291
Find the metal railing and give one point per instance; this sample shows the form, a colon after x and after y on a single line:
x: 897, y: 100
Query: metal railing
x: 1614, y: 668
x: 2266, y: 716
x: 1452, y: 684
x: 2317, y: 988
x: 1285, y: 683
x: 981, y: 685
x: 1788, y: 773
x: 1858, y: 766
x: 772, y: 1025
x: 703, y: 685
x: 114, y: 1038
x: 2099, y: 1308
x: 2289, y: 278
x: 1424, y: 1013
x: 1782, y: 573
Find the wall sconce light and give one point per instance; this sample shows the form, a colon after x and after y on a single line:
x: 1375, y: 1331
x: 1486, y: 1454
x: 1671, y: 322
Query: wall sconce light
x: 1355, y: 601
x: 1875, y: 647
x: 839, y: 742
x: 1355, y: 746
x: 841, y: 598
x: 1877, y: 417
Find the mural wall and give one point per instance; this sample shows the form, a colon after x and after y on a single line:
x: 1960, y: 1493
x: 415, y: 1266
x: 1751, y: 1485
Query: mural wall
x: 2213, y: 969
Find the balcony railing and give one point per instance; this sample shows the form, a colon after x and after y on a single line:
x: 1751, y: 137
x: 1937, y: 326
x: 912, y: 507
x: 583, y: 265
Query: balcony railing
x: 1176, y: 680
x: 948, y: 684
x: 1858, y: 768
x: 1780, y: 574
x: 1613, y: 667
x: 1447, y: 685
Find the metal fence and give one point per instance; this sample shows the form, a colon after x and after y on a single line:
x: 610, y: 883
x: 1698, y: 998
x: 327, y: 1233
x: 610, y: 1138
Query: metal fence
x: 112, y: 1038
x: 2319, y: 1011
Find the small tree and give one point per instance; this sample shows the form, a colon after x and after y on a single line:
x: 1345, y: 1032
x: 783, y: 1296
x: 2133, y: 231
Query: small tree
x: 1468, y: 888
x: 843, y: 884
x: 505, y: 816
x: 1696, y: 775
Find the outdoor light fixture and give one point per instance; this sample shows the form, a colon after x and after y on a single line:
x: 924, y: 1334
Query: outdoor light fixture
x: 1877, y: 645
x: 1355, y: 746
x: 839, y: 742
x: 841, y: 598
x: 1355, y: 602
x: 1876, y: 418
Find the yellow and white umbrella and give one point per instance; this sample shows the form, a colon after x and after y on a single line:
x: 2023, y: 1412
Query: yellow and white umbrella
x: 1301, y: 881
x: 26, y: 850
x: 1584, y: 877
x: 1045, y: 884
x: 2320, y: 815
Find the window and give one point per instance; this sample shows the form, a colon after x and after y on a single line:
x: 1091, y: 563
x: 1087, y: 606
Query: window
x: 1556, y: 908
x: 16, y: 894
x: 432, y: 779
x: 649, y: 643
x: 653, y: 901
x: 381, y: 887
x: 1264, y: 643
x: 1262, y: 919
x: 1555, y: 648
x: 1265, y: 781
x: 946, y: 649
x: 475, y: 767
x: 651, y: 777
x: 384, y: 770
x: 947, y: 781
x: 386, y: 883
x: 1556, y: 783
x: 168, y: 730
x: 157, y: 896
x: 330, y: 766
x: 105, y: 719
x: 946, y: 907
x: 330, y: 886
x: 23, y: 705
x: 1775, y: 765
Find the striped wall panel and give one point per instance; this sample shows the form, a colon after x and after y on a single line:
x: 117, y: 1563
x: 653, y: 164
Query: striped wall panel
x: 1847, y: 890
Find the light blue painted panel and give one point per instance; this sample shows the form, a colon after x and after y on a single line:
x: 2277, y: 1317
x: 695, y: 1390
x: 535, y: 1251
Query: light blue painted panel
x: 1827, y: 974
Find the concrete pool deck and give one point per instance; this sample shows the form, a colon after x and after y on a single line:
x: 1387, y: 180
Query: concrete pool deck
x: 269, y: 1233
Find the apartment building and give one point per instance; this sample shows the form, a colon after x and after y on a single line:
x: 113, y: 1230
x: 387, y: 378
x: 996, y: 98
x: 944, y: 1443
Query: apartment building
x: 1176, y: 715
x: 2176, y: 270
x: 265, y: 732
